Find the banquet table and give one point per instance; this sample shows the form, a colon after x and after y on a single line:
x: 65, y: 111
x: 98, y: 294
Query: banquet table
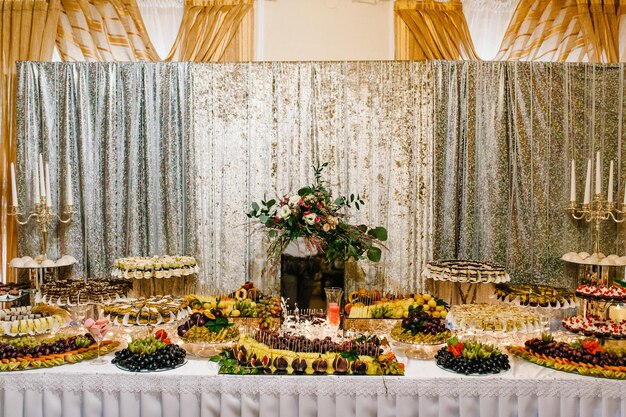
x: 195, y: 390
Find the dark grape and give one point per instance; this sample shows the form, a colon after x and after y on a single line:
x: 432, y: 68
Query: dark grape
x: 169, y: 357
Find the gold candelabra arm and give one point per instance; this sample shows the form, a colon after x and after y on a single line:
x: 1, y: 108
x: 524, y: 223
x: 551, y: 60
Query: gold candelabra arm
x: 68, y: 213
x: 17, y: 214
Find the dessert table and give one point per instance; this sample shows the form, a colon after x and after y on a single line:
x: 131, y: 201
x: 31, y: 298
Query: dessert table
x: 195, y: 390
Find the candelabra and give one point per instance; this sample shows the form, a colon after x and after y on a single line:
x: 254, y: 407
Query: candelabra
x: 596, y: 212
x: 43, y: 216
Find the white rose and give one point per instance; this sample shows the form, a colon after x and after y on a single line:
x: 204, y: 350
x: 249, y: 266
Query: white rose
x: 284, y: 212
x: 310, y: 218
x: 294, y: 200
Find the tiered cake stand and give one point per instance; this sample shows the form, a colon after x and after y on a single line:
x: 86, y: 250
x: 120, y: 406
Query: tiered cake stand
x: 465, y: 274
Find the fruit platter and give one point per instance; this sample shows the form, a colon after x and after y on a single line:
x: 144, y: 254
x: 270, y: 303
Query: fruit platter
x: 150, y: 354
x: 584, y: 357
x: 208, y: 327
x: 272, y: 353
x: 420, y: 335
x: 535, y: 295
x: 471, y: 358
x: 28, y: 353
x: 370, y: 305
x: 40, y: 319
x: 247, y: 306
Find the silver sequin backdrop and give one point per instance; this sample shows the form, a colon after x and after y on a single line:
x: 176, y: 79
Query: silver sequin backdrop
x: 456, y: 159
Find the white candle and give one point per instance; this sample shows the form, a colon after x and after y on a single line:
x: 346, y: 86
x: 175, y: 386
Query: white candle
x: 617, y: 313
x: 68, y: 185
x: 572, y: 192
x: 48, y: 193
x: 37, y: 188
x: 598, y: 179
x: 42, y: 181
x: 588, y: 184
x: 610, y: 196
x: 13, y: 186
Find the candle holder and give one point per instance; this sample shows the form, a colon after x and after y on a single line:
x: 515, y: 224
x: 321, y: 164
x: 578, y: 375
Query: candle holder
x: 596, y: 212
x: 43, y: 215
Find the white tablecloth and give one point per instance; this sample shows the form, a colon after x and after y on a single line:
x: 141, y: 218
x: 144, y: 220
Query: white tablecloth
x: 194, y: 390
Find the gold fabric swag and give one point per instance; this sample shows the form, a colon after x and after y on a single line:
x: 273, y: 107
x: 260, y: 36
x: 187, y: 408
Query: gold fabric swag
x: 27, y: 34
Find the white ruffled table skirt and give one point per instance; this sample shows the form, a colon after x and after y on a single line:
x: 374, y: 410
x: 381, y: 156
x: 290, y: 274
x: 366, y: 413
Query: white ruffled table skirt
x: 195, y: 391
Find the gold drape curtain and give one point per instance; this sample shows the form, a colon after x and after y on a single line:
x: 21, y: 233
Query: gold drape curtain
x: 27, y: 31
x: 103, y: 30
x: 428, y: 29
x: 215, y: 31
x: 563, y: 30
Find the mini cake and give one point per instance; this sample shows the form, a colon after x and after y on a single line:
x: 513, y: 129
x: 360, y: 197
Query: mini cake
x: 156, y: 267
x: 147, y: 311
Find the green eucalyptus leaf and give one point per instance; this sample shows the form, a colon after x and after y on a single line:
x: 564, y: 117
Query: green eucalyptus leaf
x: 374, y: 254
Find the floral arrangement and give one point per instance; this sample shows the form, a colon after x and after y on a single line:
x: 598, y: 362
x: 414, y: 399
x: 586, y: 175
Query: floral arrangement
x: 318, y: 217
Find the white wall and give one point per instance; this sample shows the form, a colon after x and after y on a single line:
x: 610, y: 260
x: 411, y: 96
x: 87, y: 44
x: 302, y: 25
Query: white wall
x: 323, y: 30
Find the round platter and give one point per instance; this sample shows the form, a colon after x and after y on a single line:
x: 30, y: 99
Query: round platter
x: 417, y: 350
x: 145, y: 371
x: 504, y: 371
x: 204, y: 349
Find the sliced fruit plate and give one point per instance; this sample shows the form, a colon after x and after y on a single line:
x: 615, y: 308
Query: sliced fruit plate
x: 154, y: 353
x: 259, y: 359
x: 208, y: 327
x: 472, y: 358
x: 420, y: 328
x: 585, y: 357
x: 27, y: 353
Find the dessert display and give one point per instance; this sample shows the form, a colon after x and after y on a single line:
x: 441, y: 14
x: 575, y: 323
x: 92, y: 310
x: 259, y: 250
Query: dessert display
x: 595, y: 326
x: 12, y: 291
x: 535, y: 295
x: 267, y: 353
x: 465, y: 271
x: 41, y: 319
x: 471, y: 358
x: 155, y: 267
x: 27, y: 353
x: 208, y: 327
x: 599, y: 258
x: 74, y: 292
x: 493, y: 317
x: 584, y: 357
x: 420, y: 327
x: 150, y: 354
x: 370, y: 305
x: 601, y: 292
x: 147, y: 311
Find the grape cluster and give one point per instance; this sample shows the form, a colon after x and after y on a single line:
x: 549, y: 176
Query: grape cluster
x: 169, y: 357
x: 29, y: 348
x: 492, y: 365
x: 422, y: 322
